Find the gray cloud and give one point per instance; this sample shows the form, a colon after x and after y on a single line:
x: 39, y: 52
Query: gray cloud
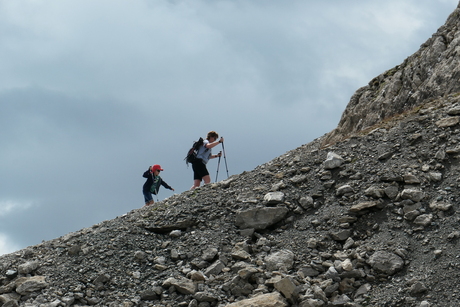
x: 93, y: 93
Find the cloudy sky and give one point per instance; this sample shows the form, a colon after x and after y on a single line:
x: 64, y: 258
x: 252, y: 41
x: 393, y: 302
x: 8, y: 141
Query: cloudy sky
x: 93, y: 92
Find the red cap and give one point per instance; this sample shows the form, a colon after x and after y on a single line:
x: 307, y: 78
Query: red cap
x: 157, y: 167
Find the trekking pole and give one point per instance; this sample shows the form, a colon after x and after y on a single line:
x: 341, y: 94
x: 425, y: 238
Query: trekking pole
x: 218, y: 164
x: 225, y: 158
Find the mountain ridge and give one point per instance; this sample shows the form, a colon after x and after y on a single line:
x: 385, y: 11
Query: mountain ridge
x: 429, y: 73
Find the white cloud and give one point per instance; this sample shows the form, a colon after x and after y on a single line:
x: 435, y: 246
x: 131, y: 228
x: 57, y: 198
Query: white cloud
x: 7, y: 207
x: 6, y: 246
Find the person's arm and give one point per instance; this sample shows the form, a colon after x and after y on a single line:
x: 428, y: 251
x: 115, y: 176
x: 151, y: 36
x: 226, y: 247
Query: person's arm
x: 167, y: 186
x: 215, y: 143
x: 216, y: 156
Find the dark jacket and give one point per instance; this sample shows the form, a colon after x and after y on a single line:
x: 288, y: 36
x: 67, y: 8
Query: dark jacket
x: 149, y: 182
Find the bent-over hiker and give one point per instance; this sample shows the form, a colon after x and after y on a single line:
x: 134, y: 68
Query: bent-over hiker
x: 152, y: 184
x: 200, y: 172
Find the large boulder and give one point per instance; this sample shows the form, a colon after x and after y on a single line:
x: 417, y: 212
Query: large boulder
x: 260, y: 218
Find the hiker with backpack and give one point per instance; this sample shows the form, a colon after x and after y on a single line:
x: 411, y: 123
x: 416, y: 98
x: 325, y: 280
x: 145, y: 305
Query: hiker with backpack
x: 152, y: 184
x: 203, y: 154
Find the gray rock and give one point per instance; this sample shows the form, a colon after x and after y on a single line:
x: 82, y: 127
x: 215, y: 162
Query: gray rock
x: 306, y: 202
x: 364, y: 205
x: 423, y: 220
x: 412, y: 194
x: 308, y: 271
x: 341, y: 235
x: 333, y: 160
x: 209, y: 254
x: 287, y: 287
x: 260, y: 218
x: 214, y: 269
x: 281, y: 260
x: 28, y: 267
x: 375, y: 192
x: 205, y: 297
x: 448, y: 122
x: 386, y: 262
x: 340, y: 300
x: 440, y: 205
x: 435, y: 176
x: 362, y: 290
x: 274, y: 198
x: 312, y: 303
x: 274, y: 299
x: 10, y: 298
x: 319, y: 293
x: 343, y: 190
x: 417, y: 288
x: 411, y: 179
x: 140, y: 255
x: 182, y: 285
x: 149, y: 295
x: 27, y: 285
x: 299, y: 179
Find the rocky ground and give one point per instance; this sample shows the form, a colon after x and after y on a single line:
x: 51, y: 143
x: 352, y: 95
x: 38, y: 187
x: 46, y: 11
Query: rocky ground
x: 370, y: 221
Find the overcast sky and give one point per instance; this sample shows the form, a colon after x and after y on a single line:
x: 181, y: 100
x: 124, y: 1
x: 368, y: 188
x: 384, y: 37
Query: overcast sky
x: 93, y: 92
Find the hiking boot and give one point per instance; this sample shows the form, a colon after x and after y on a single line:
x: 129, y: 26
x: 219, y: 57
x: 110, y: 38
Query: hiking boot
x: 149, y: 203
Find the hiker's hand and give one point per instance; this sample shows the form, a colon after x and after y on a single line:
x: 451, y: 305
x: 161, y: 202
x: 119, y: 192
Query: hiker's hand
x: 221, y: 140
x: 219, y: 154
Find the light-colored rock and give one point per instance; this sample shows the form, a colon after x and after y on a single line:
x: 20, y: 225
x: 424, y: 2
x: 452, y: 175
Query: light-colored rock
x: 412, y: 194
x: 27, y: 285
x: 274, y: 299
x: 274, y: 198
x: 364, y: 205
x: 333, y: 160
x: 28, y: 267
x: 182, y: 285
x: 448, y: 122
x: 283, y: 259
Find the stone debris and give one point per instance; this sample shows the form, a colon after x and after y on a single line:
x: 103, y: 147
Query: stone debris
x: 369, y: 232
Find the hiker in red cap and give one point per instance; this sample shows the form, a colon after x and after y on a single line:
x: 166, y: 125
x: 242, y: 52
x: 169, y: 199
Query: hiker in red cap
x: 152, y: 184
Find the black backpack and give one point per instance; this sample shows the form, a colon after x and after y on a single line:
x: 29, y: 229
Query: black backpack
x: 191, y: 155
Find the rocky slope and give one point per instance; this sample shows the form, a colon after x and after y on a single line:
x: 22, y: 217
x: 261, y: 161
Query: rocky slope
x: 371, y: 220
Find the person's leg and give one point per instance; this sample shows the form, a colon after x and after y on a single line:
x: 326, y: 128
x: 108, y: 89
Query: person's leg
x: 196, y: 184
x: 204, y: 174
x: 148, y: 198
x: 199, y: 171
x: 196, y: 177
x: 207, y: 179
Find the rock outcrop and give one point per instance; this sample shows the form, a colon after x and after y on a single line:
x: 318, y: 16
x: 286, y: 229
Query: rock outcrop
x: 370, y: 220
x: 430, y: 73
